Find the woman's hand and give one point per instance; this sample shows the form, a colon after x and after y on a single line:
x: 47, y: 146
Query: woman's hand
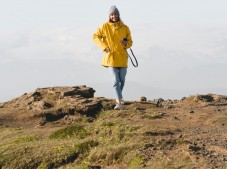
x: 107, y: 49
x: 124, y: 43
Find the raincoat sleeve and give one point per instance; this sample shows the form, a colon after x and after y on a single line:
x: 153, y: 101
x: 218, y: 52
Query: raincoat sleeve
x: 98, y: 39
x: 129, y: 44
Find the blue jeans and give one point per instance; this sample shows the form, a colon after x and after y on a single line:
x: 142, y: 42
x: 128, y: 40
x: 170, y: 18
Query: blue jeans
x: 119, y: 74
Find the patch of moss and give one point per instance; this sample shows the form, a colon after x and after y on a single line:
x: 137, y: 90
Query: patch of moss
x: 77, y: 131
x: 43, y: 166
x: 107, y: 105
x: 68, y: 154
x: 58, y: 148
x: 121, y: 135
x: 108, y: 123
x: 53, y: 96
x: 137, y: 161
x: 181, y: 142
x: 86, y: 146
x: 104, y: 114
x: 111, y: 154
x: 26, y: 138
x: 155, y: 115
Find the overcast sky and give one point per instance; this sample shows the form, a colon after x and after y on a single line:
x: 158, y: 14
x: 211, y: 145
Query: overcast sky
x: 180, y: 46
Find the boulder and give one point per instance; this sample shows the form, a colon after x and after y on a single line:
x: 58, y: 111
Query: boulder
x: 54, y: 103
x: 143, y: 99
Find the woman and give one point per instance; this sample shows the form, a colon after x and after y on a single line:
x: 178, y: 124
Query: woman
x: 114, y: 37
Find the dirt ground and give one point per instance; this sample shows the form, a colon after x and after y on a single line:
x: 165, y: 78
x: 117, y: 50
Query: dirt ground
x: 194, y: 127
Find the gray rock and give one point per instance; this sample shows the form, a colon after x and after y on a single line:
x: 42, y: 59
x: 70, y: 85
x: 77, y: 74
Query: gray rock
x: 194, y: 147
x: 183, y: 98
x: 82, y: 91
x: 143, y: 99
x: 159, y: 102
x: 37, y: 96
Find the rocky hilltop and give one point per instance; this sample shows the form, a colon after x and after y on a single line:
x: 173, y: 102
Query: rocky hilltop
x: 67, y: 127
x: 51, y: 104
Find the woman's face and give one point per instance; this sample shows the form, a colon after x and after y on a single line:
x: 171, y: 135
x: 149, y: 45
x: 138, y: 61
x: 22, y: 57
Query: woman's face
x: 114, y: 17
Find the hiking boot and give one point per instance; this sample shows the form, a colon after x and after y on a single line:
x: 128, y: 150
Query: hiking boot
x: 118, y: 107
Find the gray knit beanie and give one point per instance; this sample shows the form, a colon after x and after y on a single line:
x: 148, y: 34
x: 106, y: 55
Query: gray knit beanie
x: 114, y: 9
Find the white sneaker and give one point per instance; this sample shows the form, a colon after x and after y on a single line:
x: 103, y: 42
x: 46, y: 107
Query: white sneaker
x: 118, y: 107
x: 122, y: 102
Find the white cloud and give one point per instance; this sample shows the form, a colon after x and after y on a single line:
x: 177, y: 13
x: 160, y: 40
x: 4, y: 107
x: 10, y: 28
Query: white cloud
x: 203, y: 43
x: 170, y: 56
x: 62, y: 43
x: 195, y: 41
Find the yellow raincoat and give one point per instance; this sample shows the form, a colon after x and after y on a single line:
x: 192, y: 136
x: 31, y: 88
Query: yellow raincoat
x: 110, y: 35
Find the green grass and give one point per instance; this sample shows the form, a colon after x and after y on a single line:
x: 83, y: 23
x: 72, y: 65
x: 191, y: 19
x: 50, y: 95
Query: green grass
x: 53, y: 96
x: 153, y: 116
x: 222, y: 118
x: 107, y: 105
x: 137, y: 161
x: 108, y: 123
x: 26, y: 138
x: 43, y: 153
x: 77, y: 131
x: 115, y: 139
